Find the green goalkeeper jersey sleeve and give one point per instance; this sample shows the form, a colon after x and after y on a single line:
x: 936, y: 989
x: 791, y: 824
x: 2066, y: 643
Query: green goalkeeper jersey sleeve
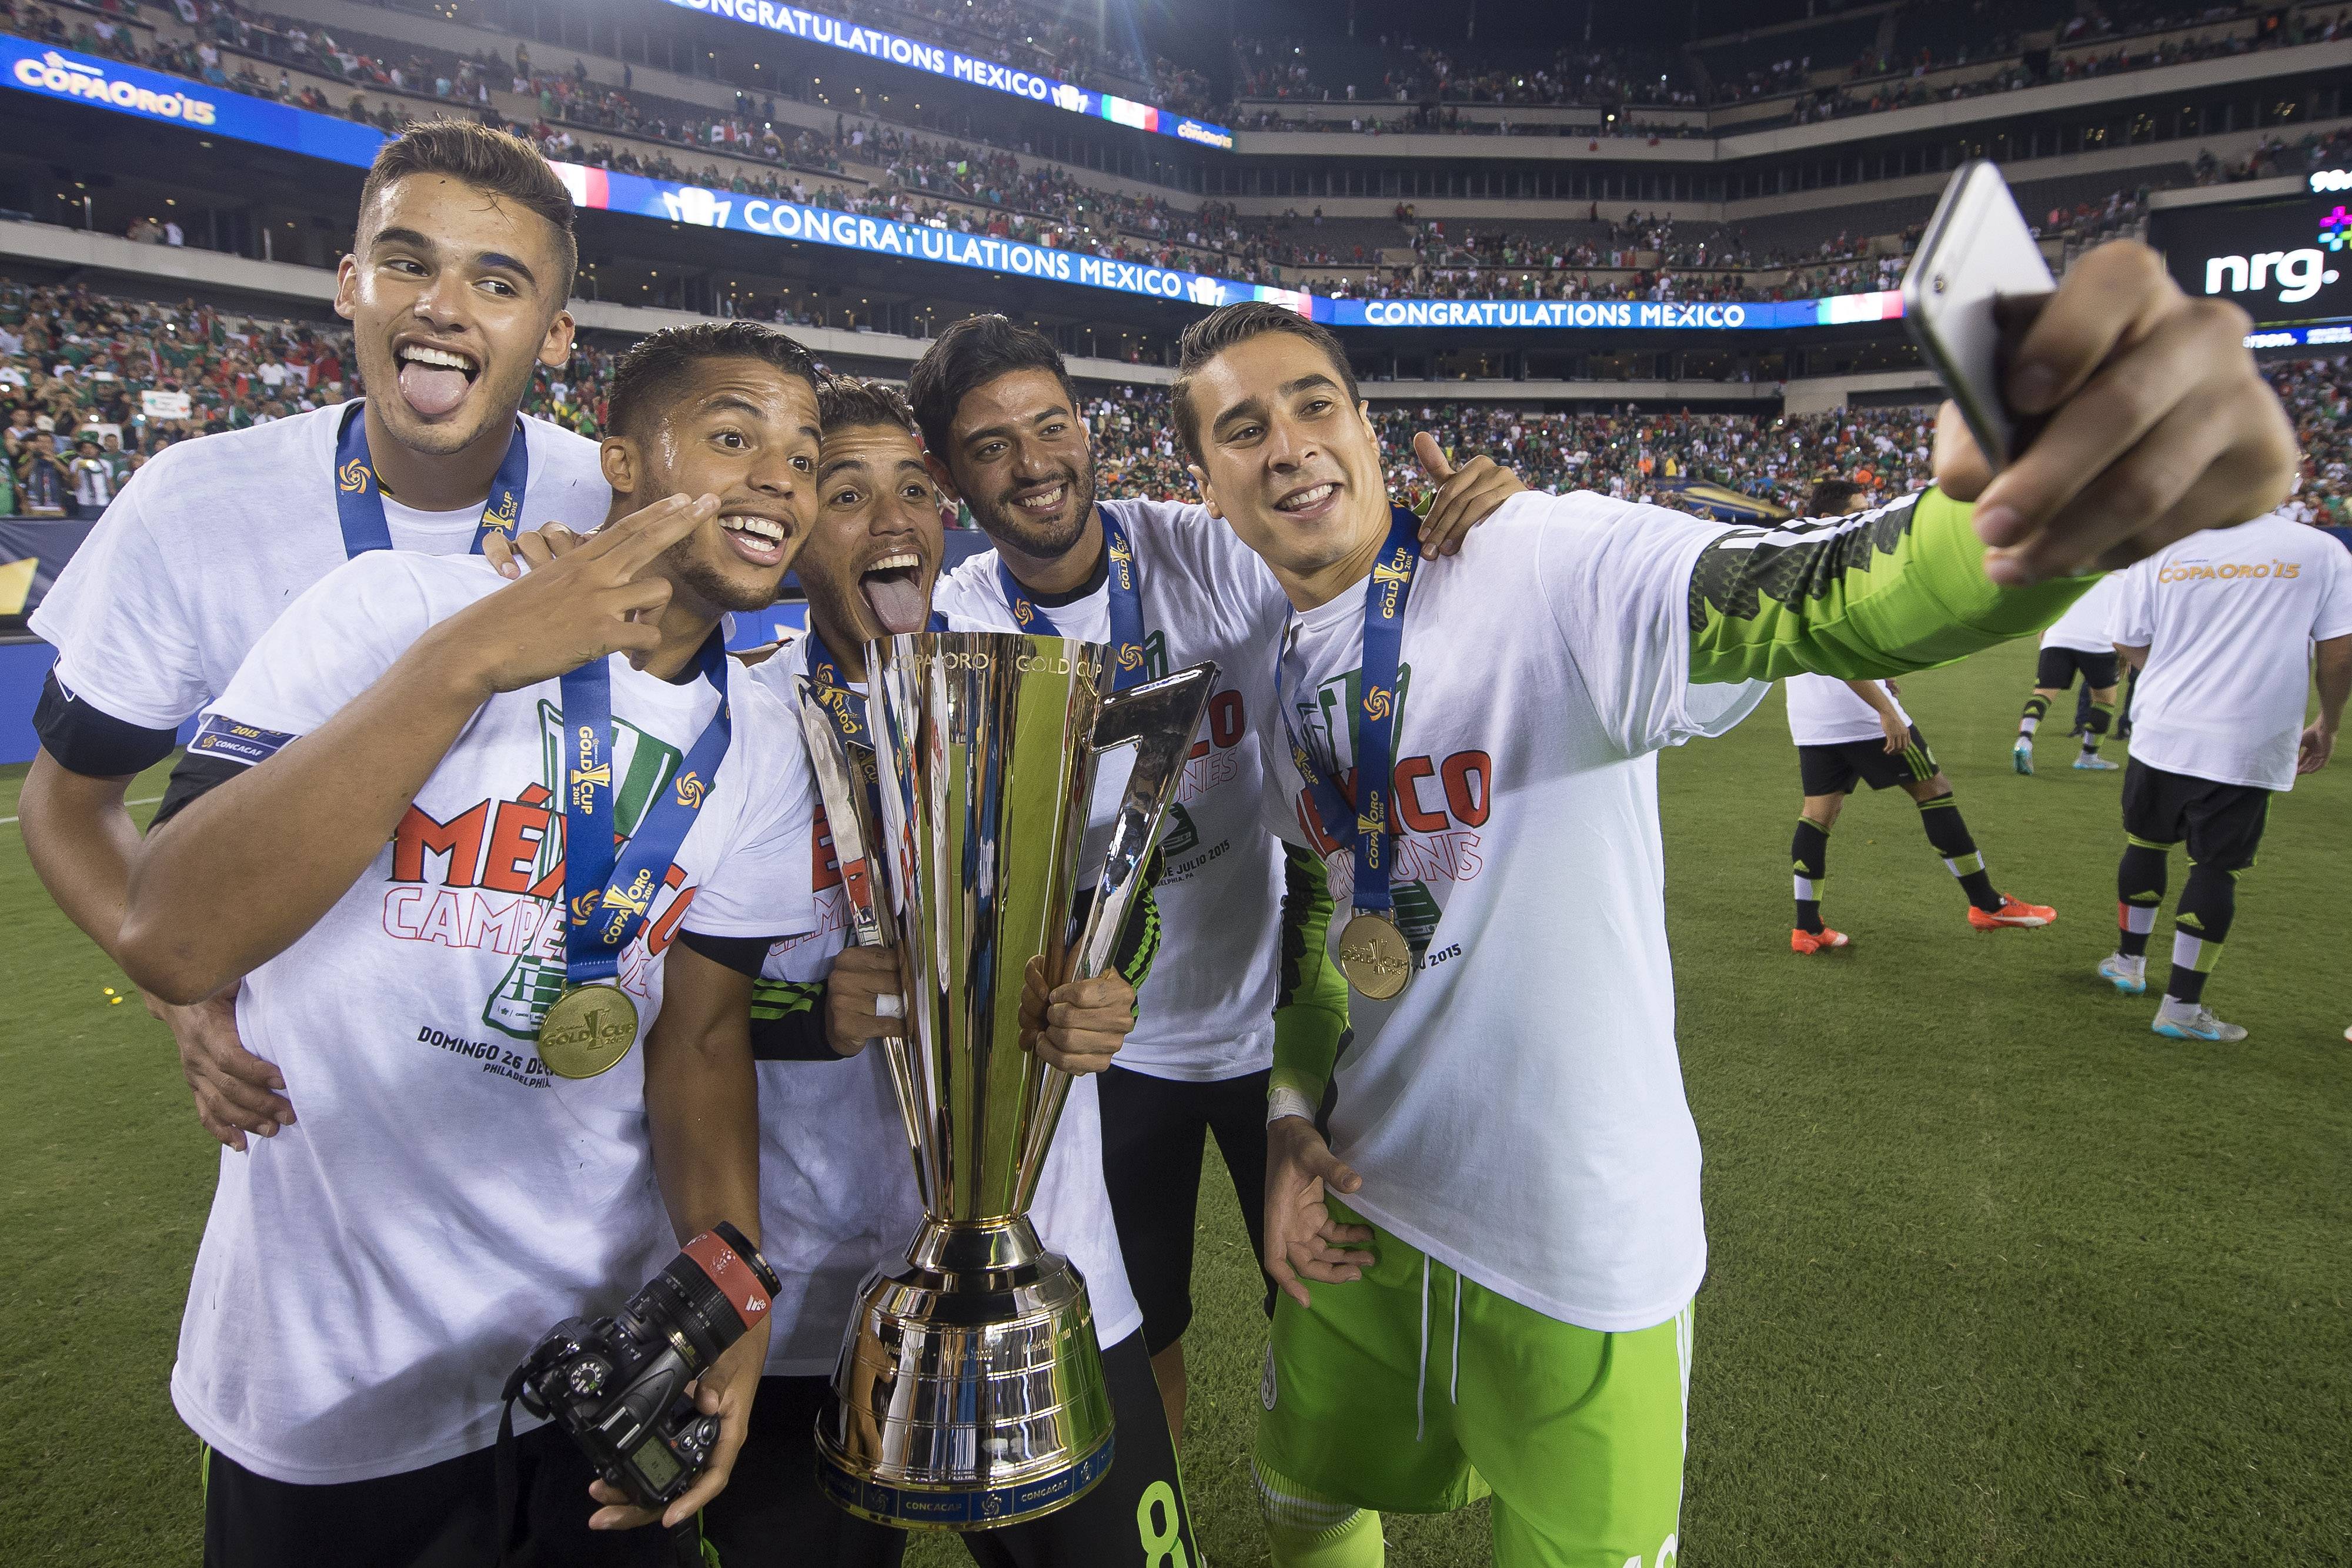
x: 1879, y: 593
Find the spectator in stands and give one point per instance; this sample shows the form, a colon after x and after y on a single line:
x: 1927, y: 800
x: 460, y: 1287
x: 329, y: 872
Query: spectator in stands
x: 44, y: 480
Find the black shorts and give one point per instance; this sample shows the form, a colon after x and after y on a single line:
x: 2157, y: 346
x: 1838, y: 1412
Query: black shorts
x: 2054, y: 670
x: 2222, y: 823
x: 443, y: 1516
x: 1836, y: 769
x: 1153, y: 1130
x: 772, y: 1514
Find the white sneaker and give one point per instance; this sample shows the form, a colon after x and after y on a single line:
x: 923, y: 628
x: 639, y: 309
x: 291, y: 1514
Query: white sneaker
x: 2129, y: 975
x: 2181, y: 1020
x: 2091, y: 762
x: 2020, y: 756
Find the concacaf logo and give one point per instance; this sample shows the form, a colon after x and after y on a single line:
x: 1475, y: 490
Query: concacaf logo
x: 1130, y: 657
x: 1376, y: 702
x: 585, y: 906
x: 690, y: 791
x: 354, y: 477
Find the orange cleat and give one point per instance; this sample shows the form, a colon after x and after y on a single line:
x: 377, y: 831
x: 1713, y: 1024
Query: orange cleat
x: 1801, y: 941
x: 2012, y: 912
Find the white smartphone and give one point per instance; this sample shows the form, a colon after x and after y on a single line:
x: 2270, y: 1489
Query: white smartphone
x: 1976, y: 249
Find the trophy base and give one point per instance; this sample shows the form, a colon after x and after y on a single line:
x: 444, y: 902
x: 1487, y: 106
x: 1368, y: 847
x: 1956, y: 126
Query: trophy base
x: 970, y: 1390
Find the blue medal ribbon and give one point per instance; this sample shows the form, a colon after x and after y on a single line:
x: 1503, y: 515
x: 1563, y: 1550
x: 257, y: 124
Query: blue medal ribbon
x: 608, y: 888
x: 1366, y: 826
x: 359, y: 495
x: 1128, y: 666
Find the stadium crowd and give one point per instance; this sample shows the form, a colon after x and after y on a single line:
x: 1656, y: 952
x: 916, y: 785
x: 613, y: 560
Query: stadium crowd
x: 74, y: 365
x: 881, y: 170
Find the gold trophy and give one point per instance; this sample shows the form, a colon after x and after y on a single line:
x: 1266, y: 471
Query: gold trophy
x: 969, y: 1393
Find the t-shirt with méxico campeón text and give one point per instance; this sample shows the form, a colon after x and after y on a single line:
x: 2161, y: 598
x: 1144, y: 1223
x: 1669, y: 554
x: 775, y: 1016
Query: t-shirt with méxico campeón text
x: 1518, y: 1112
x: 370, y: 1276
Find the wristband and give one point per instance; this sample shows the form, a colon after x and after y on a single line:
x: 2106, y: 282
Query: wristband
x: 1284, y: 1101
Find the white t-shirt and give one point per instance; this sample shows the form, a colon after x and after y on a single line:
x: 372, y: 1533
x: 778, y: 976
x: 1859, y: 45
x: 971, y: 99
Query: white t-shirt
x: 1207, y: 1011
x: 838, y: 1194
x: 213, y: 538
x: 370, y: 1276
x: 1824, y: 711
x: 2228, y: 617
x: 1518, y: 1112
x: 2088, y: 620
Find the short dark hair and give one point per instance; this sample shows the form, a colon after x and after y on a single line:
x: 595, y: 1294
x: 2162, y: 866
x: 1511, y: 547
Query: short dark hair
x: 655, y: 362
x: 489, y: 160
x: 850, y: 403
x: 1831, y: 497
x: 1230, y: 324
x: 972, y: 354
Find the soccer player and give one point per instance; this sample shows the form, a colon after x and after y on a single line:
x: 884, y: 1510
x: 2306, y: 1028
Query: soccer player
x: 2222, y: 627
x: 1167, y: 586
x: 1855, y: 732
x: 455, y: 288
x: 399, y: 833
x: 836, y: 1189
x: 2080, y: 641
x: 1522, y: 1318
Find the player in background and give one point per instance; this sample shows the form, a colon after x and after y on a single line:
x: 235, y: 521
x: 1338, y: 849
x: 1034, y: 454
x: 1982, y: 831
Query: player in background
x: 399, y: 831
x: 2080, y: 642
x: 1523, y: 1316
x: 1169, y: 586
x: 1855, y: 732
x: 2228, y: 630
x: 463, y: 261
x: 835, y: 1185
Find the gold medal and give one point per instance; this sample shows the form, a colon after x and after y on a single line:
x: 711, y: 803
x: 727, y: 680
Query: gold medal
x: 586, y: 1030
x: 1375, y: 956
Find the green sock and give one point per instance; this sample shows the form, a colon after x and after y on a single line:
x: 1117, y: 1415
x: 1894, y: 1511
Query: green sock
x: 1357, y: 1544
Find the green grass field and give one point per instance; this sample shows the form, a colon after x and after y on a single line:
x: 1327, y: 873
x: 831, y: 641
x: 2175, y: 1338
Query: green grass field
x: 1999, y: 1276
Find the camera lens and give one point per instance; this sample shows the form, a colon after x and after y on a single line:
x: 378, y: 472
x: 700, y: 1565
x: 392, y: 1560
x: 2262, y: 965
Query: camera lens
x: 716, y: 1287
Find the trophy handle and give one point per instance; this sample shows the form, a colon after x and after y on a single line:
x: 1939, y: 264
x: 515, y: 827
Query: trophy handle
x: 1159, y: 719
x: 841, y: 767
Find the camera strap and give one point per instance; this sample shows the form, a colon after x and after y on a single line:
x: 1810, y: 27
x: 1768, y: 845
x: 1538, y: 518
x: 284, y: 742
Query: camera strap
x: 685, y: 1541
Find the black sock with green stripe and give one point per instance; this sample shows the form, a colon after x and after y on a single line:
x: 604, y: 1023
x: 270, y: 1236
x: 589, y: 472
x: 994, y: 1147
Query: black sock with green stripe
x: 2208, y: 903
x: 1940, y: 815
x: 2102, y: 717
x: 2037, y: 708
x: 1811, y: 851
x: 2139, y: 890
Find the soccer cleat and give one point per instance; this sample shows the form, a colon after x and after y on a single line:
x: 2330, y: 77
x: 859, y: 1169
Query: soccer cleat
x: 2012, y: 912
x: 2020, y: 756
x: 2183, y: 1020
x: 1804, y: 941
x: 2091, y: 762
x: 2129, y: 974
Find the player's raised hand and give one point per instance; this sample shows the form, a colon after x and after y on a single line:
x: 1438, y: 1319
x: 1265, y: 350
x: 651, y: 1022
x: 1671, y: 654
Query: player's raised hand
x: 1303, y: 1241
x: 862, y: 1000
x: 1077, y: 1026
x: 1465, y: 497
x: 2157, y: 423
x: 593, y: 602
x: 527, y: 551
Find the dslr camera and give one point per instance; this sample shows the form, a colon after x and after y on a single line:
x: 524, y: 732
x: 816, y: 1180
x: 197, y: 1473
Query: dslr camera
x: 618, y: 1384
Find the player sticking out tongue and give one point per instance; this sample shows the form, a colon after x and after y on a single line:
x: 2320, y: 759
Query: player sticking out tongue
x: 434, y: 380
x: 875, y: 549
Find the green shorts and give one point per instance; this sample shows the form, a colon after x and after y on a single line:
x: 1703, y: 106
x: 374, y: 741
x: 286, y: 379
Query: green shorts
x: 1416, y: 1391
